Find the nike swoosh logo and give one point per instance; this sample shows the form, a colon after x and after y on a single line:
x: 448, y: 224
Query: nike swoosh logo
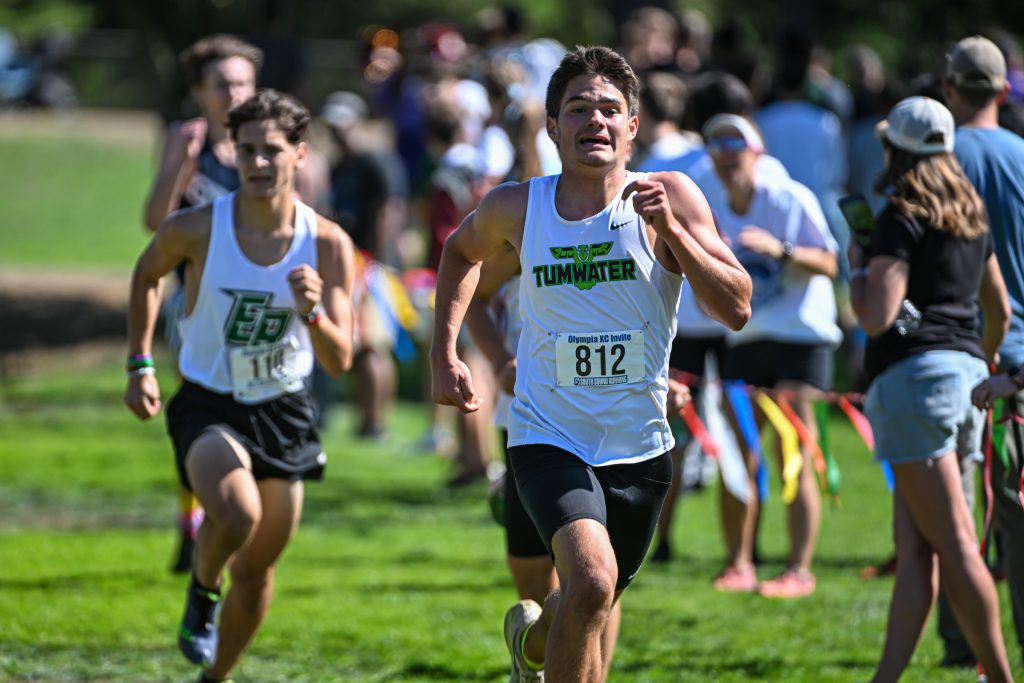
x: 616, y: 226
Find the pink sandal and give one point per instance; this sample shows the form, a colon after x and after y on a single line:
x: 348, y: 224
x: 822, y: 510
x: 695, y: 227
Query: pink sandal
x: 792, y: 583
x: 734, y: 580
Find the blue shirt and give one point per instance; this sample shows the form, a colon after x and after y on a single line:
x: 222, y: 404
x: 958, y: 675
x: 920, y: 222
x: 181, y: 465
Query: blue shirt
x: 993, y: 159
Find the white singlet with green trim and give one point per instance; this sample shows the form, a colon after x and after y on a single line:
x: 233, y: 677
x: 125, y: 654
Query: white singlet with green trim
x: 244, y: 336
x: 598, y: 322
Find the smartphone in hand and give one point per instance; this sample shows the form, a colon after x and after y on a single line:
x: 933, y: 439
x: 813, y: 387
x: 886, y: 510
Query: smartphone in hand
x: 858, y: 214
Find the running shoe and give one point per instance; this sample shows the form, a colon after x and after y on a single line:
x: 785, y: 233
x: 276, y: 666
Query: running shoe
x: 792, y: 583
x: 197, y: 637
x: 520, y: 617
x: 733, y: 580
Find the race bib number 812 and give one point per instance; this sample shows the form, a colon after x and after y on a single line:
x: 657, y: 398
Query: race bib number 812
x: 599, y: 359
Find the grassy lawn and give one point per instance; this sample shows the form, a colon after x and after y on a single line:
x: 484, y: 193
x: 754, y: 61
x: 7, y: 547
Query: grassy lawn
x: 72, y: 201
x: 391, y: 577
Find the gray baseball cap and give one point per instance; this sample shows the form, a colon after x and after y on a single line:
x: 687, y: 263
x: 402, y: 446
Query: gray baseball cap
x: 920, y: 125
x: 342, y: 109
x: 976, y: 63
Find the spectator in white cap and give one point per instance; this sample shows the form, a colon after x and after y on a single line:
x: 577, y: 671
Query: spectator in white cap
x: 992, y: 158
x: 778, y: 232
x: 917, y: 292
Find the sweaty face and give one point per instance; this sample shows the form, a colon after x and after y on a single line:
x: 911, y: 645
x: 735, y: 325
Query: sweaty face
x: 225, y: 84
x: 266, y: 160
x: 594, y: 127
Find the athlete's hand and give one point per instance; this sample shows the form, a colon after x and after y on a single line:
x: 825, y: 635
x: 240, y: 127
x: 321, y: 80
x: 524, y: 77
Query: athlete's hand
x: 192, y: 134
x: 307, y: 287
x: 760, y: 240
x: 652, y: 203
x: 452, y: 385
x: 678, y: 396
x: 143, y: 396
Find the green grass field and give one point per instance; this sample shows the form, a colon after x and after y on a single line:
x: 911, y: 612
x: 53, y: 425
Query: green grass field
x: 391, y: 577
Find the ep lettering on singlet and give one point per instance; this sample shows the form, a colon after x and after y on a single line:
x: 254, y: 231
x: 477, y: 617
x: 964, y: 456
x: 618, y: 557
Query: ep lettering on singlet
x: 252, y: 321
x: 584, y: 272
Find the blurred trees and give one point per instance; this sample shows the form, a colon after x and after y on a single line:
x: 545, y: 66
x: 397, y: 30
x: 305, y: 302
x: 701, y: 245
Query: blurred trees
x: 910, y: 35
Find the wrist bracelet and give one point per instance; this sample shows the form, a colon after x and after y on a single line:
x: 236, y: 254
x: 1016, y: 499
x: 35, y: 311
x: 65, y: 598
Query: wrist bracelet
x: 139, y: 372
x: 140, y: 360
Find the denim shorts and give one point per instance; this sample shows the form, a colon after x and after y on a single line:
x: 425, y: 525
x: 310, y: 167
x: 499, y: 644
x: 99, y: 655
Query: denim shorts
x: 920, y: 407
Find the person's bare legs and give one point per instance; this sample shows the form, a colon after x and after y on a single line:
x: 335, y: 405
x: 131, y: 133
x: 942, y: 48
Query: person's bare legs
x: 913, y: 593
x: 739, y: 519
x: 568, y: 635
x: 804, y: 514
x: 375, y: 386
x: 933, y: 494
x: 219, y: 469
x: 249, y: 521
x: 252, y: 571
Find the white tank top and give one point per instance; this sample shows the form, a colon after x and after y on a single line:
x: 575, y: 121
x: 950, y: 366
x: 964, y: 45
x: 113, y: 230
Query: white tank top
x: 598, y: 320
x: 244, y: 335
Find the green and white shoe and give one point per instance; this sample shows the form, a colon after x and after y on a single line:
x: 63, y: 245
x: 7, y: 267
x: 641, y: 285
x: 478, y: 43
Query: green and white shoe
x: 520, y: 617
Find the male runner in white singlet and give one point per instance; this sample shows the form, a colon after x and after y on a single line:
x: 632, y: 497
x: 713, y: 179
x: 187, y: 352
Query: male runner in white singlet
x: 271, y: 289
x: 602, y: 255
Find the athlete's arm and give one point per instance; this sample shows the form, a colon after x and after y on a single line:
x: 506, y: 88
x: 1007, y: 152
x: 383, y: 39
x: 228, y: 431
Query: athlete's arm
x: 688, y: 242
x: 330, y: 285
x: 496, y: 223
x: 181, y: 237
x: 181, y: 149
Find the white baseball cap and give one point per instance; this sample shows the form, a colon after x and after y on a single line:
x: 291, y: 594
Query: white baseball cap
x: 738, y: 124
x: 920, y: 125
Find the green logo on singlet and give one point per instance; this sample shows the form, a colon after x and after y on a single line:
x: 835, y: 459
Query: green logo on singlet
x: 584, y: 272
x: 252, y: 321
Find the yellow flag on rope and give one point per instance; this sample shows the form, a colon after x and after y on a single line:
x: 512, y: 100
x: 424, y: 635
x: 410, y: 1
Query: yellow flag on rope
x: 792, y: 459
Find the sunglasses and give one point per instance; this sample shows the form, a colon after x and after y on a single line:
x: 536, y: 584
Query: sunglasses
x: 727, y: 144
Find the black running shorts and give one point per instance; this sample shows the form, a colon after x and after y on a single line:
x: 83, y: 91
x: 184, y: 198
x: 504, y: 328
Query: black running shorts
x: 280, y: 435
x: 557, y: 488
x: 766, y: 363
x: 688, y: 354
x: 521, y: 536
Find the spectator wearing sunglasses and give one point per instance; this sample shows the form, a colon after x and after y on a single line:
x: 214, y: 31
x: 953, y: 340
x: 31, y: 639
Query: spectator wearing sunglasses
x: 778, y: 232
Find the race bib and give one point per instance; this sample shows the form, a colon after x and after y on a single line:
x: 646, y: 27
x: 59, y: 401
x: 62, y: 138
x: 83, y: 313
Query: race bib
x: 260, y: 373
x: 599, y: 359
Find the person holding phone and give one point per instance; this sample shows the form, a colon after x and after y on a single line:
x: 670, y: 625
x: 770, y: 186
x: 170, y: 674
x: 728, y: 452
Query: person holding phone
x: 931, y: 244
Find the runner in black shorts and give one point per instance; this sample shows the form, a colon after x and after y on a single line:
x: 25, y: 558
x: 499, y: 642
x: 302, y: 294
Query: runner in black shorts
x: 603, y: 252
x: 269, y: 289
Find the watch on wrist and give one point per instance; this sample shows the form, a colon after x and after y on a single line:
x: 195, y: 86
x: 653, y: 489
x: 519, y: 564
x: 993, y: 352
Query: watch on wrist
x: 314, y: 315
x: 787, y: 250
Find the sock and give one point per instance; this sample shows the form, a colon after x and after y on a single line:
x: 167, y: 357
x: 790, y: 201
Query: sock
x: 211, y: 594
x: 522, y: 650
